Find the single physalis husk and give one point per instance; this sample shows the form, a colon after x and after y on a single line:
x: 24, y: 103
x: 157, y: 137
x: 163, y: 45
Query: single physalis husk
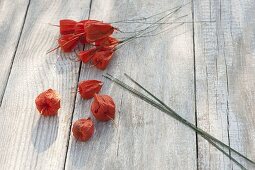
x: 108, y: 43
x: 101, y: 59
x: 68, y: 42
x: 48, y: 102
x: 83, y: 129
x: 87, y: 55
x: 89, y: 88
x: 97, y: 30
x: 67, y: 26
x: 78, y: 29
x: 103, y: 107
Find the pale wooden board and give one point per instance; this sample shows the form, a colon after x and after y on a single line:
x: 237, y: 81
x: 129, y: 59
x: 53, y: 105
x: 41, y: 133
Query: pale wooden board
x: 29, y: 141
x: 12, y: 17
x: 240, y: 43
x: 225, y: 78
x: 145, y: 138
x: 211, y: 84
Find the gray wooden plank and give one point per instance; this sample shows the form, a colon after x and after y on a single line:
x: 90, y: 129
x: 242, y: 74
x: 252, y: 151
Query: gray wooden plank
x: 240, y: 63
x: 29, y: 141
x: 211, y: 84
x: 11, y: 22
x: 221, y: 80
x: 144, y: 137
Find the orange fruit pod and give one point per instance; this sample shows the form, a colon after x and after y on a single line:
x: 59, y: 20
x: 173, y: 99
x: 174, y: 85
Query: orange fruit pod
x: 83, y: 129
x: 97, y: 30
x: 86, y: 56
x: 68, y: 42
x: 67, y: 26
x: 108, y: 43
x: 48, y: 102
x: 79, y: 29
x: 89, y: 88
x: 103, y: 107
x: 101, y: 59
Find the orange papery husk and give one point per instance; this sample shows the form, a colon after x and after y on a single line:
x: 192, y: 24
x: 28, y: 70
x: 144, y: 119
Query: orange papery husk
x: 86, y: 56
x: 97, y: 30
x: 68, y: 42
x: 89, y: 88
x: 67, y: 26
x: 83, y: 129
x: 48, y: 102
x: 101, y: 59
x: 87, y: 23
x: 103, y: 107
x: 79, y: 28
x: 107, y: 43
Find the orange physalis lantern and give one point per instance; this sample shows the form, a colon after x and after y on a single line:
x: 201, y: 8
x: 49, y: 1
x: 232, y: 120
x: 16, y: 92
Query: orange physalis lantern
x: 48, y: 102
x: 85, y: 56
x: 83, y: 129
x: 67, y: 26
x: 103, y: 107
x: 107, y: 43
x: 68, y: 42
x: 89, y: 88
x: 97, y: 30
x: 102, y: 58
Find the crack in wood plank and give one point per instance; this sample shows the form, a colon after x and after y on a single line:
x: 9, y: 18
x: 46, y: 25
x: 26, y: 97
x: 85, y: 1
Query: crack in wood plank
x: 195, y: 87
x: 30, y: 141
x: 75, y: 98
x: 2, y: 91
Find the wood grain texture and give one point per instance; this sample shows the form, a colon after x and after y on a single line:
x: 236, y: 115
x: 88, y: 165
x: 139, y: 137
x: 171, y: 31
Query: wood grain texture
x: 29, y: 141
x: 240, y: 43
x: 224, y: 52
x: 211, y: 84
x: 144, y: 138
x: 11, y: 22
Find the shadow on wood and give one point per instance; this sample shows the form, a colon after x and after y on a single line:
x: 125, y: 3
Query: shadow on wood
x: 44, y: 133
x: 84, y: 153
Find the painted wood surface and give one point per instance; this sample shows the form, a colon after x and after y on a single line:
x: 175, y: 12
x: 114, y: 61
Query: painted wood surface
x: 203, y: 70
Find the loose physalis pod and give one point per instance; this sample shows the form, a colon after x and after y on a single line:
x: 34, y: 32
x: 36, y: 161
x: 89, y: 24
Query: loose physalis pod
x: 97, y: 30
x: 101, y: 59
x: 48, y: 102
x: 89, y: 88
x: 83, y: 129
x: 103, y: 107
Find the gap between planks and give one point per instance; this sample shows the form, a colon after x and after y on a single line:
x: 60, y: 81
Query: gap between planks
x: 75, y: 97
x: 195, y: 87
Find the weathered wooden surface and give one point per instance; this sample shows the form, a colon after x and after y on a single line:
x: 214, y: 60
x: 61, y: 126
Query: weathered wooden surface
x: 224, y: 54
x: 29, y: 141
x: 144, y: 138
x: 207, y: 67
x: 12, y: 18
x: 211, y: 84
